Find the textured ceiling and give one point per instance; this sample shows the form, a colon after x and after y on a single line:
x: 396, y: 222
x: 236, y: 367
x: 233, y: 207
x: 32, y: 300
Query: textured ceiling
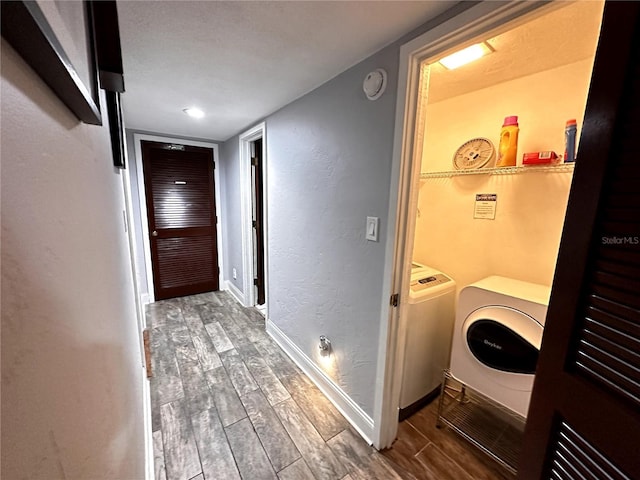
x: 240, y: 61
x: 562, y: 36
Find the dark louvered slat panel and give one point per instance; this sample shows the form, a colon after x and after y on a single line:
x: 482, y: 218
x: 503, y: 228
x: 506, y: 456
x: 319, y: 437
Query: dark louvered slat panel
x: 185, y: 261
x: 606, y: 348
x: 181, y: 193
x: 574, y: 458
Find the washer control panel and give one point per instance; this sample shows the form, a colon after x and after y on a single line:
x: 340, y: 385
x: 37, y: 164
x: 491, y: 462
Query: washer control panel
x: 428, y: 282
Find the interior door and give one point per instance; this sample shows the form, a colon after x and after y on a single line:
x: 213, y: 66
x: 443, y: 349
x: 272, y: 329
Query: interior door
x: 182, y: 221
x: 584, y: 418
x: 258, y: 221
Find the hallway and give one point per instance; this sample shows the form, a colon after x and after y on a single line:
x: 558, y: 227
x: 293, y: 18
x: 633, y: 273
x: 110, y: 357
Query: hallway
x: 227, y: 404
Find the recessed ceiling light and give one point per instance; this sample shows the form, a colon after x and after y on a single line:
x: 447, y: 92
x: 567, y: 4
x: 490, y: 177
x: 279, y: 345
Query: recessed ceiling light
x: 466, y: 55
x: 194, y: 112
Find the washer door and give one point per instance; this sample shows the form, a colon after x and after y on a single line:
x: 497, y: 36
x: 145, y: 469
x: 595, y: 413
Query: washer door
x: 503, y: 339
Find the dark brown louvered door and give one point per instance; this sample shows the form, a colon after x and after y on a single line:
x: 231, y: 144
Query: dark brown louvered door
x: 182, y: 221
x: 258, y: 220
x: 584, y: 418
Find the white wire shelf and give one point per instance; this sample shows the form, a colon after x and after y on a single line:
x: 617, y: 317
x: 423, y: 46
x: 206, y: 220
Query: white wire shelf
x: 556, y: 168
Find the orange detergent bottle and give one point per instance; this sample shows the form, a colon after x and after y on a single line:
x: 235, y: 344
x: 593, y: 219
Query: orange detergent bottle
x: 508, y: 149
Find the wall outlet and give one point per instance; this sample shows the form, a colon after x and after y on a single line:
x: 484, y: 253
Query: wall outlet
x: 235, y: 274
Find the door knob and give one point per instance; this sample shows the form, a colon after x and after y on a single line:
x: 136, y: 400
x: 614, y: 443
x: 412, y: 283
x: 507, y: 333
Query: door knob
x: 154, y: 233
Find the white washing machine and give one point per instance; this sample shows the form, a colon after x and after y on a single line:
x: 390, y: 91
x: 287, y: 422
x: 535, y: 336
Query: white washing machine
x: 497, y: 338
x: 430, y: 317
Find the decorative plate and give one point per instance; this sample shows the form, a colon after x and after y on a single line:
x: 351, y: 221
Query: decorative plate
x: 473, y: 154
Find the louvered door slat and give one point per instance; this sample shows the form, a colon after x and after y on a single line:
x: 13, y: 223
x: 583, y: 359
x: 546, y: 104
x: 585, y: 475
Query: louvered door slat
x: 613, y: 295
x: 615, y: 329
x: 625, y: 283
x: 576, y: 458
x: 627, y: 270
x: 621, y: 310
x: 181, y: 207
x: 621, y: 359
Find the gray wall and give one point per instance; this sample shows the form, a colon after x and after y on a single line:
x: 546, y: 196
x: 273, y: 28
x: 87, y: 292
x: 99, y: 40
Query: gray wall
x: 329, y: 162
x: 329, y: 166
x: 231, y: 211
x: 72, y: 376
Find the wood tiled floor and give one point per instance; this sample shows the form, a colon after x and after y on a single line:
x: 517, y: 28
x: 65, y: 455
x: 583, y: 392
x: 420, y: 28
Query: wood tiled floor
x: 227, y: 403
x: 434, y: 453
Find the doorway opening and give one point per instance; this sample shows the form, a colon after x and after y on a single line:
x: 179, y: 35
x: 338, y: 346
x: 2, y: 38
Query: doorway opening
x: 439, y: 111
x: 145, y: 277
x: 253, y: 170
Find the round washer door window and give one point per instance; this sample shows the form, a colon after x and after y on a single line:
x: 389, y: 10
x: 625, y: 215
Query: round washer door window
x: 503, y: 339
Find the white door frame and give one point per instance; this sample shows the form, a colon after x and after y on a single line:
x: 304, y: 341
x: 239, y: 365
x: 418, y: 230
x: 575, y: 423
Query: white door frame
x: 246, y: 193
x: 137, y: 142
x: 482, y: 20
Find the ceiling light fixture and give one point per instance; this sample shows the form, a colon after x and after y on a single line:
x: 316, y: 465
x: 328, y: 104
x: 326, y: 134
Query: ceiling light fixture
x: 194, y: 112
x: 466, y: 55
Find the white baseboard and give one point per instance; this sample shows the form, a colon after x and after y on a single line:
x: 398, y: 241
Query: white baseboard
x: 148, y: 430
x: 235, y: 291
x: 145, y: 299
x: 362, y: 422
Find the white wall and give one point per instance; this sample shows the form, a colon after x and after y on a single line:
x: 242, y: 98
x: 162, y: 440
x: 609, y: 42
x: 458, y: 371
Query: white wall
x: 72, y: 376
x: 522, y: 242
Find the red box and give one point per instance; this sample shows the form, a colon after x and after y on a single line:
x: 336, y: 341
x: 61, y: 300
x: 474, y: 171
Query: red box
x: 539, y: 158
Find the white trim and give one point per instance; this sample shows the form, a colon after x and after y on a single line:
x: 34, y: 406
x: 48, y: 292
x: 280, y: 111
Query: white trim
x: 141, y: 320
x: 481, y: 19
x: 137, y: 139
x: 245, y: 139
x: 144, y: 299
x: 148, y: 428
x: 358, y: 418
x: 235, y: 292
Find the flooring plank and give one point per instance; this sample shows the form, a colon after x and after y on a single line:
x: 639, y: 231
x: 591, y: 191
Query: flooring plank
x: 298, y: 470
x: 267, y: 380
x: 362, y: 461
x: 323, y: 415
x: 183, y: 345
x: 238, y: 372
x: 181, y: 455
x: 203, y: 298
x: 163, y: 315
x: 444, y: 467
x: 408, y: 443
x: 276, y: 442
x: 206, y: 351
x: 167, y: 376
x: 198, y: 396
x: 281, y: 365
x: 479, y: 465
x: 319, y: 457
x: 159, y: 471
x: 226, y: 398
x: 219, y: 337
x: 215, y: 453
x: 251, y: 458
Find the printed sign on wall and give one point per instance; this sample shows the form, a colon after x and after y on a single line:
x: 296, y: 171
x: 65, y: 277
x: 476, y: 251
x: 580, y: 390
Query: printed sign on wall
x: 485, y: 206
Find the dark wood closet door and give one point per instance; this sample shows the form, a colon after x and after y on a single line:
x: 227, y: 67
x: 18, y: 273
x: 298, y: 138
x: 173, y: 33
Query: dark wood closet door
x: 584, y: 418
x: 182, y: 221
x: 258, y: 220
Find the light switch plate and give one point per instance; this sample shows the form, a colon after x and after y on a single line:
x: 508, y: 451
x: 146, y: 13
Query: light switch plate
x: 372, y: 228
